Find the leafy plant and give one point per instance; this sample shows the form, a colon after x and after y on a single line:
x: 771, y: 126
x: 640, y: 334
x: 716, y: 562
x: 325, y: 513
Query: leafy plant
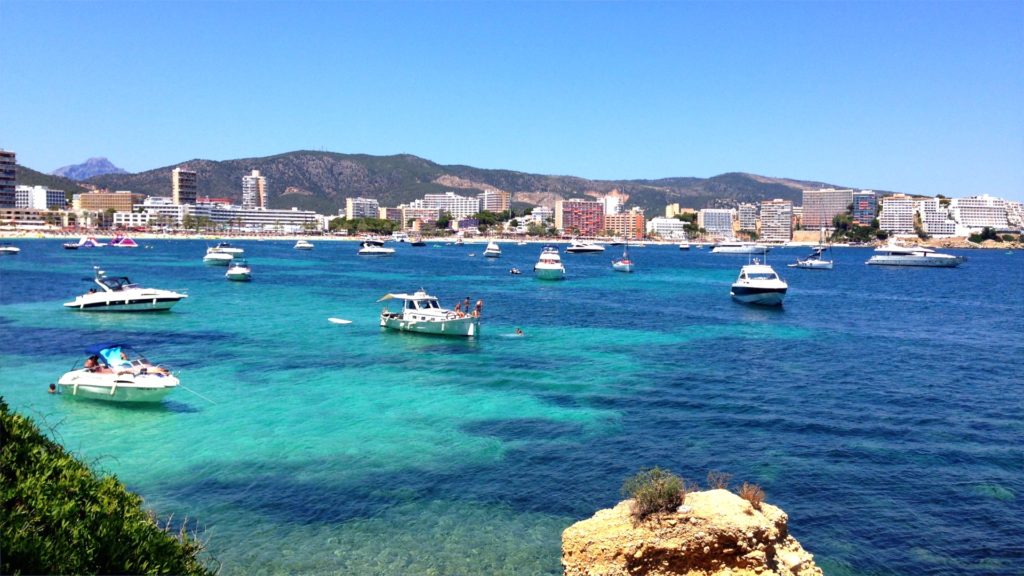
x: 654, y: 490
x: 58, y: 517
x: 752, y: 493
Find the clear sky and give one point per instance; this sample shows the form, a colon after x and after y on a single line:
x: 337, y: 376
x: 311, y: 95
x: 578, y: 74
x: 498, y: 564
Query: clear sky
x: 918, y: 97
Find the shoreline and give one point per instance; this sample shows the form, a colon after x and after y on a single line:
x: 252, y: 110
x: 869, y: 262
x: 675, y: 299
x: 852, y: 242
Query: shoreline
x: 957, y: 243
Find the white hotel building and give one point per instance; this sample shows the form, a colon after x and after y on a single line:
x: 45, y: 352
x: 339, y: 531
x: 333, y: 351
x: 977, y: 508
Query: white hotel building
x: 935, y: 218
x: 666, y: 227
x: 39, y: 197
x: 897, y: 215
x: 716, y: 221
x: 977, y: 212
x: 776, y: 220
x: 457, y: 206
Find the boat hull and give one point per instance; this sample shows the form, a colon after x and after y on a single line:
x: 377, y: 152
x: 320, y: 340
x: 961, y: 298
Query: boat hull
x: 239, y: 276
x: 759, y: 296
x: 622, y: 266
x: 927, y: 262
x: 218, y: 261
x: 746, y: 250
x: 458, y: 327
x: 813, y: 264
x: 151, y: 304
x: 127, y: 388
x: 549, y: 273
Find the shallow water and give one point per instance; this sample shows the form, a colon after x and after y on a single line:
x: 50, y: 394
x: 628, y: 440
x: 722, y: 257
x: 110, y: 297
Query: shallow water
x: 881, y: 408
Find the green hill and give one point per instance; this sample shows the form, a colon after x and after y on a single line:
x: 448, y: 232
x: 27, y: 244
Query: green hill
x: 29, y: 177
x: 322, y: 180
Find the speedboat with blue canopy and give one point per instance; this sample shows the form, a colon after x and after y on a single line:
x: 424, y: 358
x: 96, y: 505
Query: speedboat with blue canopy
x: 119, y: 294
x: 422, y: 313
x: 117, y: 372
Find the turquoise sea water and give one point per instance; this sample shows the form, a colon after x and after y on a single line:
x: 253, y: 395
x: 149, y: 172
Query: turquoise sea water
x: 881, y: 408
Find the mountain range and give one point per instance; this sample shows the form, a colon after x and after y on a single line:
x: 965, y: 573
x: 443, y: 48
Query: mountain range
x: 88, y: 169
x: 321, y: 181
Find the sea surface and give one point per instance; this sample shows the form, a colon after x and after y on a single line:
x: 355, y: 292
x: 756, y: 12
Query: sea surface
x: 881, y: 408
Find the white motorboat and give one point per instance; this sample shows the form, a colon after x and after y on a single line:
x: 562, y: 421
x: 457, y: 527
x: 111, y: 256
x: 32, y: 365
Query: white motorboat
x: 684, y: 245
x: 814, y: 261
x: 893, y: 254
x: 492, y: 250
x: 759, y: 284
x: 303, y: 245
x: 578, y: 247
x: 734, y: 247
x: 117, y: 373
x: 421, y: 313
x: 399, y: 236
x: 119, y: 294
x: 239, y: 271
x: 226, y: 248
x: 218, y: 259
x: 121, y: 241
x: 7, y: 249
x: 521, y: 243
x: 549, y: 266
x: 372, y: 249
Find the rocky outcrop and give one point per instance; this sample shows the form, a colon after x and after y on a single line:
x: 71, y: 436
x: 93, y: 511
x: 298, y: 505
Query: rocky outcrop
x: 714, y: 533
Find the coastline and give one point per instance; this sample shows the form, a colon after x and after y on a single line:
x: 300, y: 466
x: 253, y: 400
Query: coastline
x: 956, y: 243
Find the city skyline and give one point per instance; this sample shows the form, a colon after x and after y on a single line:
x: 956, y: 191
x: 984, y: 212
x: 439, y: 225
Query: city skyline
x: 919, y: 98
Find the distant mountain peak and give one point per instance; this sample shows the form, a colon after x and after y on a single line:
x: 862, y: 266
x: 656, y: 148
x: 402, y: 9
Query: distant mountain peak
x: 92, y: 167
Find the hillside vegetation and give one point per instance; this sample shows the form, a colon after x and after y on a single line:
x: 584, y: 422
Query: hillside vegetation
x: 58, y: 517
x: 29, y: 177
x: 322, y: 180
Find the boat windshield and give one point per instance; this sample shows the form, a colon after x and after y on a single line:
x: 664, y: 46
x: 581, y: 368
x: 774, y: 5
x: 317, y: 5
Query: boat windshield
x: 421, y: 304
x: 116, y: 283
x: 762, y: 276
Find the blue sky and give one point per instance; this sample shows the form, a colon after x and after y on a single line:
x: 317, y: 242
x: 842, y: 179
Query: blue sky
x: 919, y: 97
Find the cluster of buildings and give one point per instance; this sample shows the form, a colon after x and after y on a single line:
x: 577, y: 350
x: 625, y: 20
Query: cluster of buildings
x: 774, y: 220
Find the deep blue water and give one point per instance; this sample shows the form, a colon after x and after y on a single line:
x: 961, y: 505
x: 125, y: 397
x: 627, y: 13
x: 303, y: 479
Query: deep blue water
x: 881, y: 407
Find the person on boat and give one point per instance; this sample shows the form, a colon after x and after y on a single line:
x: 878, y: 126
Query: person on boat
x: 458, y: 310
x: 479, y: 307
x: 465, y: 304
x: 519, y: 331
x: 92, y: 364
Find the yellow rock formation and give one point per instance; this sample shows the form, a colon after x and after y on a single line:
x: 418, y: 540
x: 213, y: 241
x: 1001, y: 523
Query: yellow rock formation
x: 715, y: 533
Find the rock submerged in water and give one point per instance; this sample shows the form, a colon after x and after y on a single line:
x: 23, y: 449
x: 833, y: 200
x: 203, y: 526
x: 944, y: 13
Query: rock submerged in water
x: 717, y: 533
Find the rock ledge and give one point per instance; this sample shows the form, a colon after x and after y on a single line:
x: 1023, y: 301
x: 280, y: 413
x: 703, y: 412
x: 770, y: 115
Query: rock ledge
x: 717, y: 533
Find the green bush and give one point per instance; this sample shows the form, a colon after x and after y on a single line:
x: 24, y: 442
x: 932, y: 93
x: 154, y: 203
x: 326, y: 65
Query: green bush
x: 58, y: 517
x: 654, y: 490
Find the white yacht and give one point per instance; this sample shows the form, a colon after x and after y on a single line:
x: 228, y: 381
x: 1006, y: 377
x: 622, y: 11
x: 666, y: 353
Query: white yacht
x: 303, y: 245
x: 893, y: 254
x: 218, y: 258
x: 492, y: 250
x: 423, y: 314
x: 549, y: 266
x: 226, y: 248
x: 117, y: 373
x: 118, y: 294
x: 759, y: 284
x: 374, y: 249
x: 7, y: 249
x: 239, y: 271
x: 399, y: 236
x: 736, y: 247
x: 684, y: 245
x: 578, y: 247
x: 623, y: 264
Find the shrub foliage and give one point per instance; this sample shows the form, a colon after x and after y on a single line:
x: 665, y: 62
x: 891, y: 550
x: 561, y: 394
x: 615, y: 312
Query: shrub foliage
x: 752, y: 493
x: 58, y: 517
x: 654, y: 490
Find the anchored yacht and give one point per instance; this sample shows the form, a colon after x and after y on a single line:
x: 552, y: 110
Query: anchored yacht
x: 119, y: 294
x: 759, y: 284
x: 893, y: 254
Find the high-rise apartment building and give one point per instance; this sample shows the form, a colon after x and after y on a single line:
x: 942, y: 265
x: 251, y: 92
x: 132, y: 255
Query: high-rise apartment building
x: 747, y: 216
x: 716, y: 221
x: 821, y: 206
x: 494, y: 201
x: 776, y: 220
x: 582, y: 217
x: 254, y: 190
x: 184, y: 186
x: 630, y: 224
x: 897, y: 215
x: 865, y: 207
x: 8, y: 179
x: 361, y: 208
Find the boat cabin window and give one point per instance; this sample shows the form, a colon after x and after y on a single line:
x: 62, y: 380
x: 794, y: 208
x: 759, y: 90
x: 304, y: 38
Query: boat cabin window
x: 762, y: 276
x: 116, y: 283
